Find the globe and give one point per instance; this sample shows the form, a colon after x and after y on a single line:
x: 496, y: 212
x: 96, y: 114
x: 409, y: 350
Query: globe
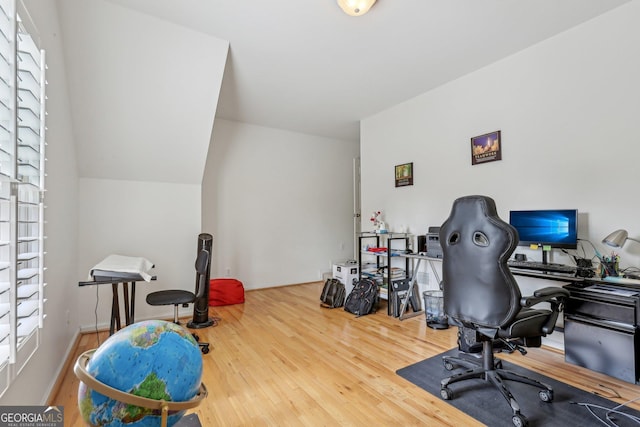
x: 153, y: 359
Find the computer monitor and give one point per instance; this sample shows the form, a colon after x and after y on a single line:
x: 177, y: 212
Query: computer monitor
x: 555, y: 228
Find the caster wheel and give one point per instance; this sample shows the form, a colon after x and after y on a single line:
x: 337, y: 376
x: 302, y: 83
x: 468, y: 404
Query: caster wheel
x: 545, y: 395
x: 519, y: 420
x: 448, y: 366
x: 446, y: 393
x: 205, y: 350
x: 196, y: 337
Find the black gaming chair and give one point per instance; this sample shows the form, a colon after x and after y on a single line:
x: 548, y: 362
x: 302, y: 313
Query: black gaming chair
x: 178, y: 297
x: 482, y: 296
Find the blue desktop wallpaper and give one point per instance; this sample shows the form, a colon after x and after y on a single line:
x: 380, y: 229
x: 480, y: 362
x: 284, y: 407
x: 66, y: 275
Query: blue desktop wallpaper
x: 548, y: 227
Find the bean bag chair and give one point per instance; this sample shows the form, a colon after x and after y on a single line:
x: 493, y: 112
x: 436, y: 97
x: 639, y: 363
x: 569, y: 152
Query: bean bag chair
x: 225, y: 291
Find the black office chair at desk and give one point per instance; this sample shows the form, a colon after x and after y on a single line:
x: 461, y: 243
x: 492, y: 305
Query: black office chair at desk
x: 481, y: 295
x: 177, y: 297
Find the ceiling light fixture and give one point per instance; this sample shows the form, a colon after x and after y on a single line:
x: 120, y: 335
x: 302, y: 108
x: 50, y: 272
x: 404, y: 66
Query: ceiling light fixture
x: 356, y: 7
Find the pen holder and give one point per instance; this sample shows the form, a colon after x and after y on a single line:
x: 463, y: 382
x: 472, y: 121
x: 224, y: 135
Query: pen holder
x: 608, y: 268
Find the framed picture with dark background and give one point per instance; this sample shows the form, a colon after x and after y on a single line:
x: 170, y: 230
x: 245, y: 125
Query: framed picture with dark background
x: 404, y: 174
x: 486, y: 148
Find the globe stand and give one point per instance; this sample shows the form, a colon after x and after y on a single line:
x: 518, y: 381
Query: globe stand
x: 80, y: 369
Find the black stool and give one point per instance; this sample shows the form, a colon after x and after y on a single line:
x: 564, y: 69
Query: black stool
x: 178, y: 297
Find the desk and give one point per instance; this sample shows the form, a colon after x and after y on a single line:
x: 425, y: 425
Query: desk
x: 602, y: 321
x: 416, y: 258
x: 129, y: 299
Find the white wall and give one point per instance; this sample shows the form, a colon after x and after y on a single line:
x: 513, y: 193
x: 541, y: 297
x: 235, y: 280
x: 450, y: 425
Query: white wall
x: 144, y: 92
x: 567, y: 108
x: 34, y: 383
x: 279, y: 204
x: 157, y: 221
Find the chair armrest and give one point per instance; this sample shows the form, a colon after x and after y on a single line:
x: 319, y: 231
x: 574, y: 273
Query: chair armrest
x: 552, y: 295
x: 549, y: 294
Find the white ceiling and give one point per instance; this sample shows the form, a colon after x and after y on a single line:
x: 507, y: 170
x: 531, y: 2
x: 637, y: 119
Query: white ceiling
x: 305, y: 66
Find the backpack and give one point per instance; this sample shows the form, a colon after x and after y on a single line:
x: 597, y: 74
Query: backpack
x: 333, y: 294
x: 363, y: 299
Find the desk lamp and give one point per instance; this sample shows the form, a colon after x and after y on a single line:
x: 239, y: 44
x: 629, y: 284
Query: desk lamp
x: 618, y: 238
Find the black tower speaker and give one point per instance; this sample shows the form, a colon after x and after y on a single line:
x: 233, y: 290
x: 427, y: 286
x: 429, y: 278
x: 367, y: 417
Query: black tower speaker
x: 201, y: 305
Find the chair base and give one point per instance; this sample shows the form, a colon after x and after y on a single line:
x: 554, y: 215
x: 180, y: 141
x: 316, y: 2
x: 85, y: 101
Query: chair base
x: 204, y: 346
x: 491, y: 370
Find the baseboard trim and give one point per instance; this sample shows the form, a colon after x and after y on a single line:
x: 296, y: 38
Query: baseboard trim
x: 55, y: 386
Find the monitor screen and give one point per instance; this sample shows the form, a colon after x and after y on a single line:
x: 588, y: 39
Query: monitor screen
x: 557, y: 228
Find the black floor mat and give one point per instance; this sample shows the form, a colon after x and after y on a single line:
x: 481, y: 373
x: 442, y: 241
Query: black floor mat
x: 484, y: 402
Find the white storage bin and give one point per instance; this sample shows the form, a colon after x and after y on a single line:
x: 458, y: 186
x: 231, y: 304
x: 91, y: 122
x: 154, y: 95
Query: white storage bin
x: 347, y: 274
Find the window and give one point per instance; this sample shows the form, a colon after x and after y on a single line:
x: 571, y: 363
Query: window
x: 22, y: 130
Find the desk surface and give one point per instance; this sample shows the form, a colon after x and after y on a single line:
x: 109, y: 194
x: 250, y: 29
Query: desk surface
x: 587, y: 281
x: 548, y: 275
x: 420, y: 256
x: 620, y: 280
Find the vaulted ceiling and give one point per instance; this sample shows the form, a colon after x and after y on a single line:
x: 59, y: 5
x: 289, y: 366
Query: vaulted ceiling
x: 147, y: 77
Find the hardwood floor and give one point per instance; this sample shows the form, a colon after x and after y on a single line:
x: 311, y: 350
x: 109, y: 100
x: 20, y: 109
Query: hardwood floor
x: 280, y: 359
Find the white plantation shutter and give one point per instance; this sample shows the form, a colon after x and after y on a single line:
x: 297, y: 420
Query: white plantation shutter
x: 22, y: 160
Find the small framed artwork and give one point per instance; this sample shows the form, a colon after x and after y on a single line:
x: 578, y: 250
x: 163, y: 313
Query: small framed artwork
x: 486, y: 148
x: 404, y: 174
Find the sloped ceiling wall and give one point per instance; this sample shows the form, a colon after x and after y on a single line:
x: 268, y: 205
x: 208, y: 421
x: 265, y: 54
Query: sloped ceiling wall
x: 143, y: 92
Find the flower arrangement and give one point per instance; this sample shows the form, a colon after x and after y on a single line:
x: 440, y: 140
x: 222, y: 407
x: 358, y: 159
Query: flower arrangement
x: 378, y: 223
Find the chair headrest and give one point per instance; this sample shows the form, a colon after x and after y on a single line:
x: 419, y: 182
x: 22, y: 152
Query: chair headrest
x: 477, y: 283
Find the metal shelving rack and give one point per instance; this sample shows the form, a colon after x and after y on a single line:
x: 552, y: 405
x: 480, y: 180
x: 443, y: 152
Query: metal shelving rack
x: 382, y: 267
